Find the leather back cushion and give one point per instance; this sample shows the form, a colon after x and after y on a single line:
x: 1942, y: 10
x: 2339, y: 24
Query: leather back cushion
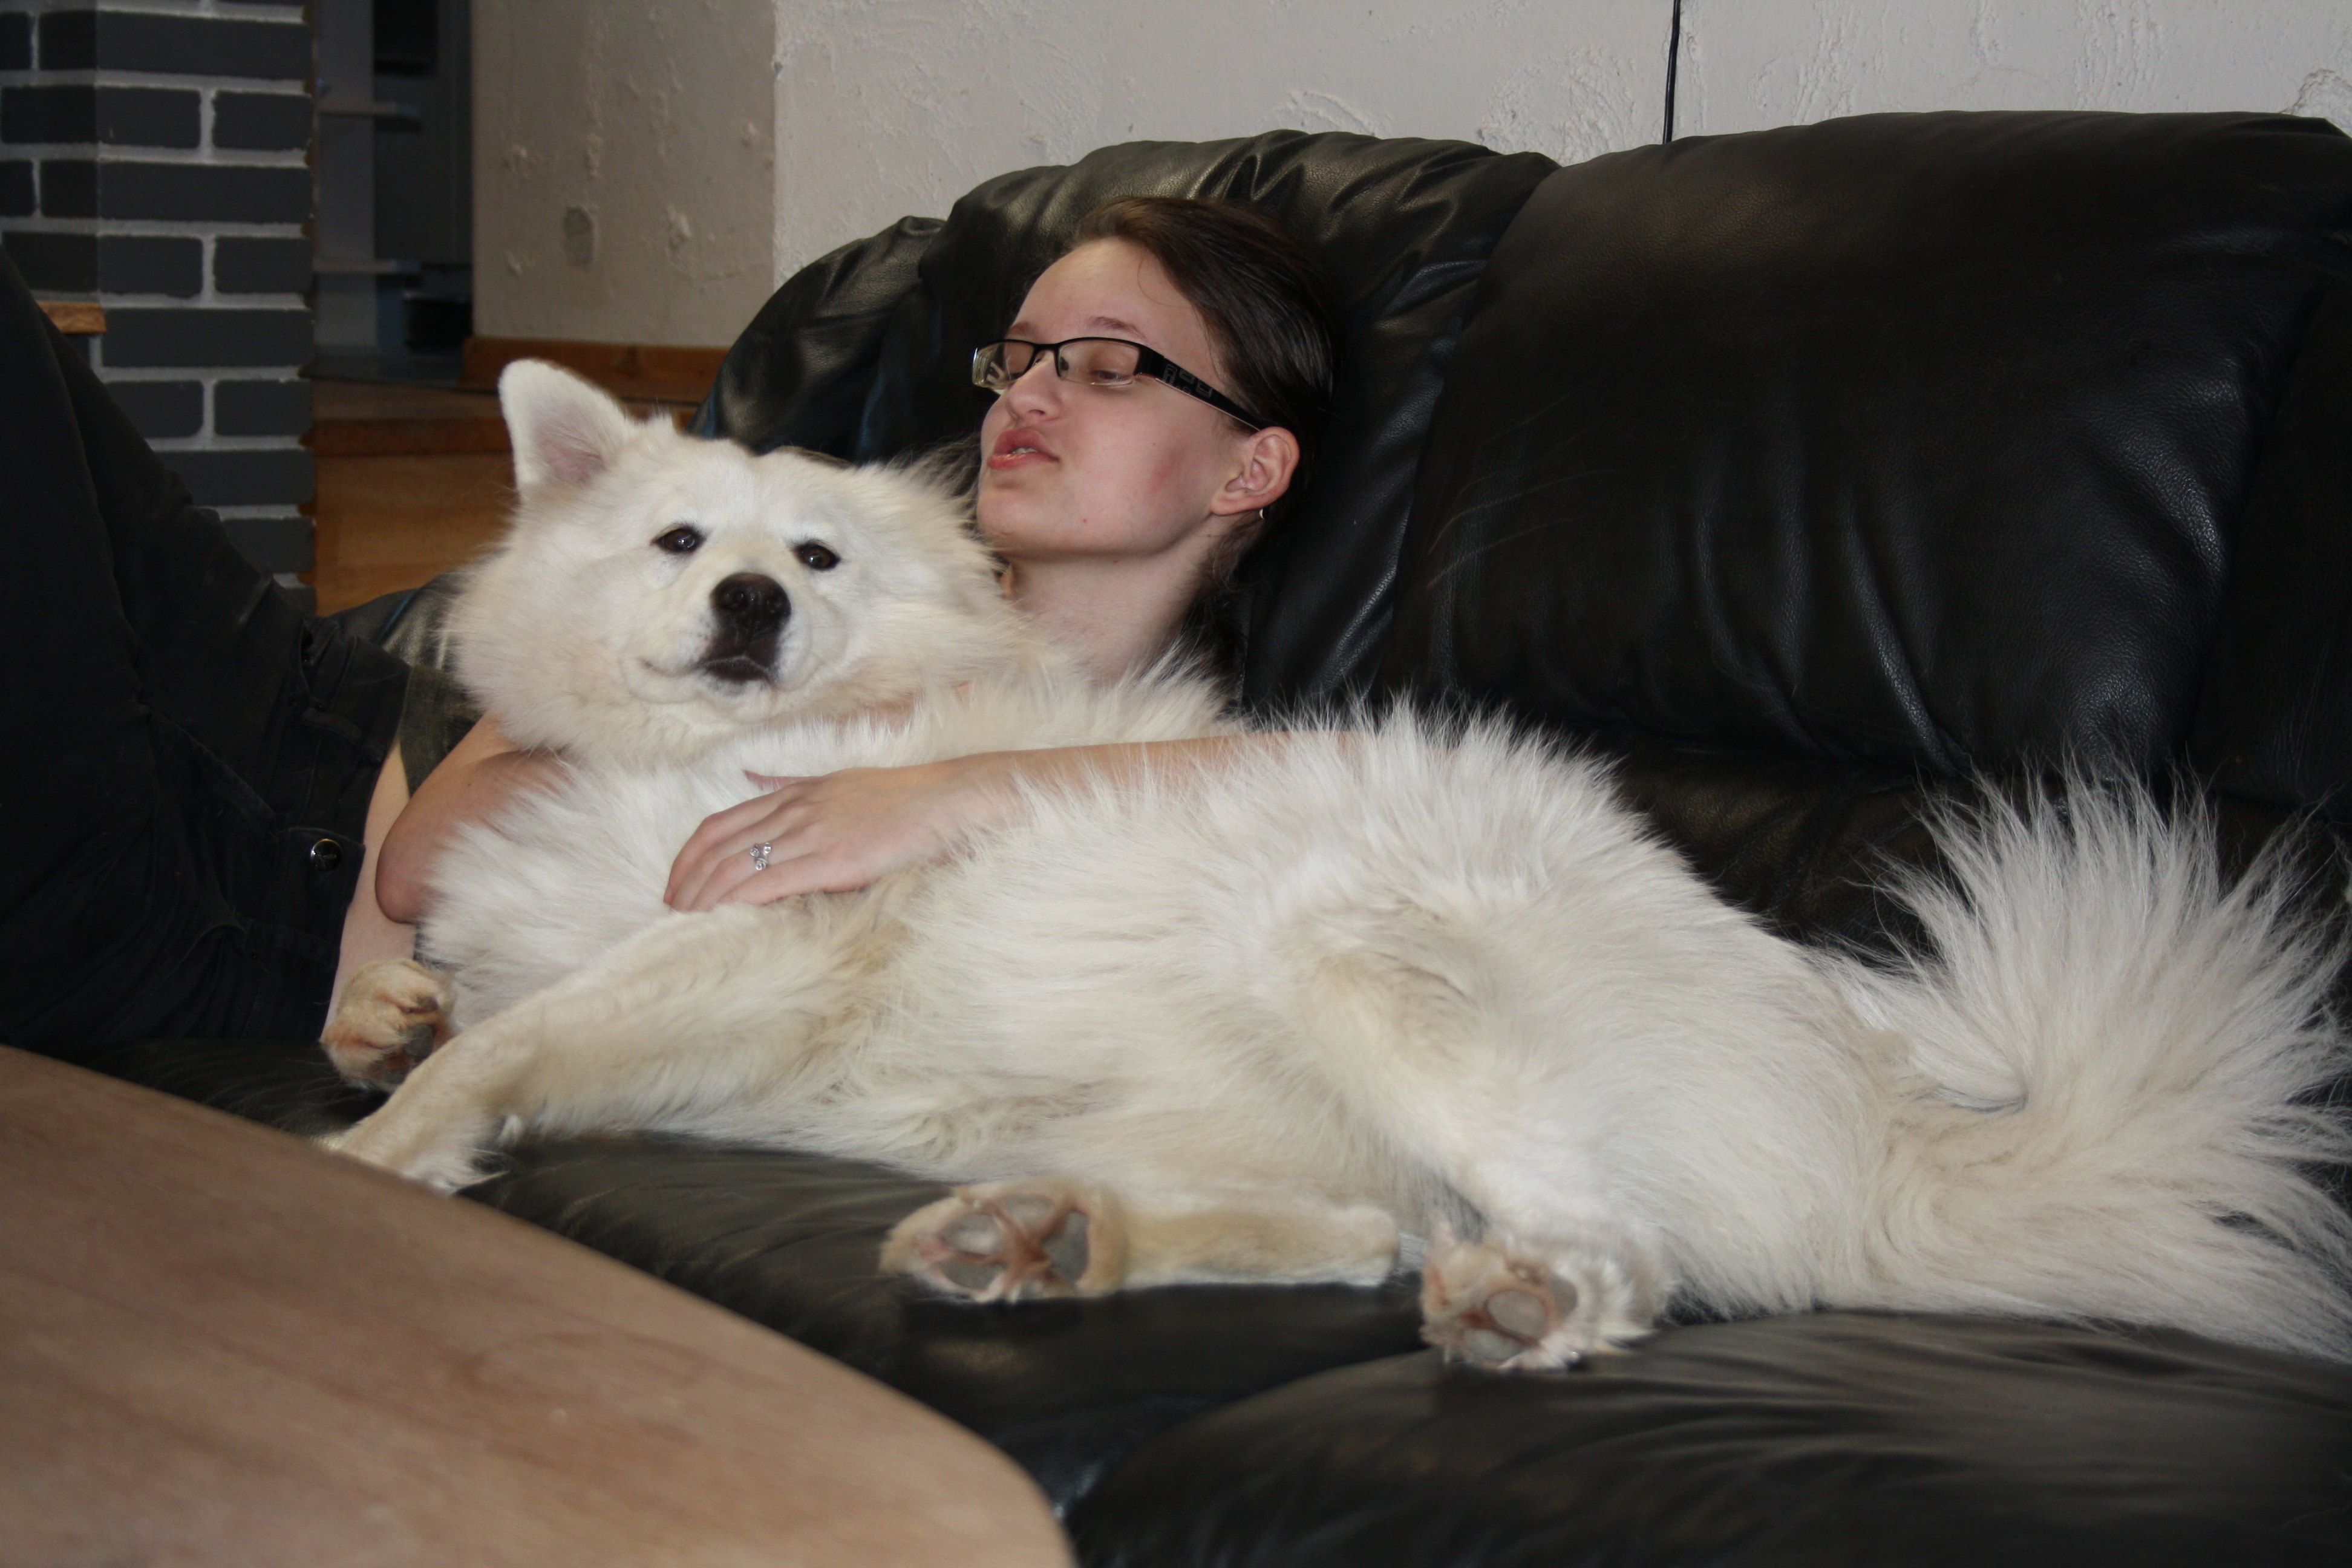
x: 867, y: 353
x: 1919, y: 440
x: 2276, y: 724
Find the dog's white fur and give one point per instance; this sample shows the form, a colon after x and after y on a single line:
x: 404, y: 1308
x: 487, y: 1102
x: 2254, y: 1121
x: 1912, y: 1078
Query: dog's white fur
x: 1257, y: 1020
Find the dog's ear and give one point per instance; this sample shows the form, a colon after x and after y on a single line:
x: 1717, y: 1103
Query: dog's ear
x: 566, y: 430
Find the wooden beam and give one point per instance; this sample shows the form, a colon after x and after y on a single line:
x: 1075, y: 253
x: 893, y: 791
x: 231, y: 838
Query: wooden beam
x: 660, y: 374
x: 334, y: 438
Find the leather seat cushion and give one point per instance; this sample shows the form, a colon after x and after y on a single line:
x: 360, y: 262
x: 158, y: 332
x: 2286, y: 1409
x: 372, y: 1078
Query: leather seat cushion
x: 1797, y: 1442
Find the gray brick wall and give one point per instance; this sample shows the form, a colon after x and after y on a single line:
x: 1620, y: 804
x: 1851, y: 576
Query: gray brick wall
x: 153, y: 156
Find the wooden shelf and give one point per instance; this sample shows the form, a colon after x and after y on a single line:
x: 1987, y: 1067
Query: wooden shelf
x: 76, y: 318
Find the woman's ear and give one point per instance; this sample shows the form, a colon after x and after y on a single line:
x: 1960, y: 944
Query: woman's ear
x: 1269, y: 458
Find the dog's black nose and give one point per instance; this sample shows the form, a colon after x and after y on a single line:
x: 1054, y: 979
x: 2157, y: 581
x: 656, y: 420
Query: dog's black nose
x: 751, y: 611
x: 749, y: 606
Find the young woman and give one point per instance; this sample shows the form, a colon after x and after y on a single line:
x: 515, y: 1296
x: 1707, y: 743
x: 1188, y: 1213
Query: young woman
x: 1157, y: 394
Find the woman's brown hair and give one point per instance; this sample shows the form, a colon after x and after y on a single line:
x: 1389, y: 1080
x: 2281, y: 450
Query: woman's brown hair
x: 1268, y: 305
x: 1264, y: 296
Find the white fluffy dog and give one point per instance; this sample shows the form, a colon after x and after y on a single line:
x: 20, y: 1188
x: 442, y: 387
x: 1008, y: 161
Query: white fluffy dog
x: 1267, y: 1020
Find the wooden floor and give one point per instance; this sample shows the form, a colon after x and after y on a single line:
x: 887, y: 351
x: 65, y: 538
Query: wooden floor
x: 413, y: 480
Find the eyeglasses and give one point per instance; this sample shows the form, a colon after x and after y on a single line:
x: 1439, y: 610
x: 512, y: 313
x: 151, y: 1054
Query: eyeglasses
x: 1107, y: 363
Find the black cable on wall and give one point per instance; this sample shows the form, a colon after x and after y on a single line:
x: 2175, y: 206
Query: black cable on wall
x: 1674, y: 57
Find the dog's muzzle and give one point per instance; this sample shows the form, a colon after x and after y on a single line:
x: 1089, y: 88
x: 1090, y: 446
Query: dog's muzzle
x: 751, y: 611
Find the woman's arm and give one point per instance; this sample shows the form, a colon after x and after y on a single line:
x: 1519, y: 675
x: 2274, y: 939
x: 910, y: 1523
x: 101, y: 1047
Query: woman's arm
x: 482, y: 772
x: 843, y: 830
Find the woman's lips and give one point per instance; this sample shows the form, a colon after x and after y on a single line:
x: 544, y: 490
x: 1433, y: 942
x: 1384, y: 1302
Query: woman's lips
x: 1017, y: 448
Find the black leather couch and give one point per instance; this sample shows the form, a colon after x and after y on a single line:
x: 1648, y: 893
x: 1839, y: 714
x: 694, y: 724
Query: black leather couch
x: 1809, y: 471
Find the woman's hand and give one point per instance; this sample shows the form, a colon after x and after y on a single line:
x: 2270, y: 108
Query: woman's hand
x: 837, y: 832
x: 843, y: 831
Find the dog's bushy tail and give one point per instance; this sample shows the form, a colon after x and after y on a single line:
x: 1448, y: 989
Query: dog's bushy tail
x: 2118, y: 1063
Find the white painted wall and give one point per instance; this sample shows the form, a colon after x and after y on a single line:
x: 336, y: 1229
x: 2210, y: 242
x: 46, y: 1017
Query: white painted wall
x: 623, y: 168
x: 1749, y: 64
x: 717, y: 145
x: 888, y: 107
x: 885, y: 107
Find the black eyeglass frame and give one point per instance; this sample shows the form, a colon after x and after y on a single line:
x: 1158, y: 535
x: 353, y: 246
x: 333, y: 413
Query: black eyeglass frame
x: 1148, y: 361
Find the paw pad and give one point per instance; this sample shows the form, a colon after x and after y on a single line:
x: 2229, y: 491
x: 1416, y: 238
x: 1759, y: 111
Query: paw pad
x: 1006, y: 1248
x: 1484, y: 1307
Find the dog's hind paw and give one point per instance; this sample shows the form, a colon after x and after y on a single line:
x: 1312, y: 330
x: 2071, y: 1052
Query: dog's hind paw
x: 1011, y: 1241
x: 392, y: 1014
x: 1511, y: 1309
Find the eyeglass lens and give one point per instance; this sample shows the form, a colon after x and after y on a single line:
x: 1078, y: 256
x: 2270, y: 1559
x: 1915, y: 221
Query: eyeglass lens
x: 1092, y: 362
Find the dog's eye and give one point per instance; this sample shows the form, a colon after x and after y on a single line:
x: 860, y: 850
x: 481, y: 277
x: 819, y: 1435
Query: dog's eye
x: 680, y: 540
x: 816, y: 557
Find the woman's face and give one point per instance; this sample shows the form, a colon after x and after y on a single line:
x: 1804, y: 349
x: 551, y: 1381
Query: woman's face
x: 1077, y: 471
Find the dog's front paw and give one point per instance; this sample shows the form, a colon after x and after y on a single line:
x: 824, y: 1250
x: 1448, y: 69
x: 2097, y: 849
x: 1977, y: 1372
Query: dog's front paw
x: 1012, y: 1241
x: 394, y: 1142
x: 1513, y: 1309
x: 392, y: 1014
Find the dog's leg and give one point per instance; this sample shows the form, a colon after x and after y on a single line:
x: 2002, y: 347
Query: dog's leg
x: 394, y: 1013
x: 1009, y: 1241
x: 1512, y: 1307
x: 1561, y: 1272
x: 684, y: 1023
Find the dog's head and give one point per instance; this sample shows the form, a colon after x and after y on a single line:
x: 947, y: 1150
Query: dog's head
x: 658, y: 593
